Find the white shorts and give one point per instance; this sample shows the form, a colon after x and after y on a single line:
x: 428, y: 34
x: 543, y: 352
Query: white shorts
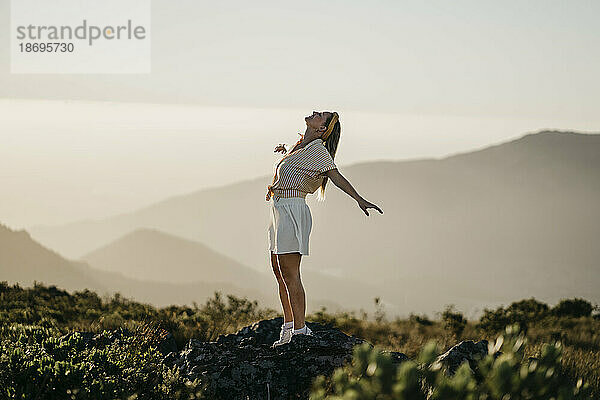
x: 290, y: 225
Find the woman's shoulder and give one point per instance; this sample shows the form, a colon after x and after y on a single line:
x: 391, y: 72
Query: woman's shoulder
x: 318, y: 144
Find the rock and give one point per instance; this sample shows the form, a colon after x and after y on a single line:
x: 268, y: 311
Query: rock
x: 397, y: 357
x: 466, y: 350
x: 243, y: 366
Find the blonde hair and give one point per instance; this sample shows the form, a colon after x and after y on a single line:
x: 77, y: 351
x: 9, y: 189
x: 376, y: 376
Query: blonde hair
x: 331, y: 144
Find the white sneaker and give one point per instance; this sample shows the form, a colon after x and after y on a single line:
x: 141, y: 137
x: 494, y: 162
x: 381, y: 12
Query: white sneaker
x: 308, y: 332
x: 285, y: 336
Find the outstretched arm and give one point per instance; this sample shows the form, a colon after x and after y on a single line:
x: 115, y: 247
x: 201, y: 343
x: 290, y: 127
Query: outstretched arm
x: 338, y: 179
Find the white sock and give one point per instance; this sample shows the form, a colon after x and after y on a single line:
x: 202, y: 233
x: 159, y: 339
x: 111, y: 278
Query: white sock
x: 288, y: 325
x: 301, y: 330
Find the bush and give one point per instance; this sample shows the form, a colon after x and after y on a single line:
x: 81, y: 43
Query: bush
x: 85, y: 310
x: 573, y: 308
x: 36, y: 362
x: 41, y: 356
x: 420, y: 319
x: 32, y: 319
x: 503, y: 374
x: 453, y: 321
x: 521, y: 312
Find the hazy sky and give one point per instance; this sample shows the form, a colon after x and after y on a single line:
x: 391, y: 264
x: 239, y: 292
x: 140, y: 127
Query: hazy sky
x: 501, y: 58
x: 409, y: 78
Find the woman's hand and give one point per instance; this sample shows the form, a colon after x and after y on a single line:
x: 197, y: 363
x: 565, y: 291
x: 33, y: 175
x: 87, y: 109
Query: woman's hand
x: 281, y: 148
x: 338, y: 179
x: 364, y: 205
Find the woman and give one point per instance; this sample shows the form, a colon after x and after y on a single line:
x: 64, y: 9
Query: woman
x: 307, y: 167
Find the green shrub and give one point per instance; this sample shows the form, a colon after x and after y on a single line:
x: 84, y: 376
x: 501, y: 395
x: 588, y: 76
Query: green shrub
x: 503, y: 374
x: 573, y: 308
x: 453, y: 321
x: 420, y: 319
x: 49, y: 312
x: 521, y: 312
x: 37, y: 362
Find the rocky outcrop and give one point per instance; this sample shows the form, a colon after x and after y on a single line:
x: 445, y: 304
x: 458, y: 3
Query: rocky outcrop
x: 466, y: 351
x: 244, y: 366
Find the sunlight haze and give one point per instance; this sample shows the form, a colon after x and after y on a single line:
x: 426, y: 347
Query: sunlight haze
x: 410, y: 79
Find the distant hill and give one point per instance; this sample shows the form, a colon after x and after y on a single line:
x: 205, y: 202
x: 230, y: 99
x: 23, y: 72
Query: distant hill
x: 23, y: 260
x: 149, y: 254
x: 157, y: 256
x: 514, y: 220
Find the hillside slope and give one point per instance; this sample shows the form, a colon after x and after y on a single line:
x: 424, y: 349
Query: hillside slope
x: 162, y: 257
x: 24, y: 261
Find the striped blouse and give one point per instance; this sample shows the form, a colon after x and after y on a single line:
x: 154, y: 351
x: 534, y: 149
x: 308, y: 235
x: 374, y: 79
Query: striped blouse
x: 300, y: 172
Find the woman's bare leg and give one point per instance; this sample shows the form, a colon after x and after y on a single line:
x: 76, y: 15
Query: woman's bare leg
x: 283, y: 294
x: 289, y: 265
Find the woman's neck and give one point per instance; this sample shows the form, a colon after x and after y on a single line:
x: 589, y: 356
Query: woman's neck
x: 309, y: 136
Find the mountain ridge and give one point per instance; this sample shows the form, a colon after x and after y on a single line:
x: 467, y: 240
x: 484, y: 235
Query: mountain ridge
x: 542, y: 132
x: 515, y: 209
x: 19, y: 264
x: 164, y: 257
x: 25, y: 261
